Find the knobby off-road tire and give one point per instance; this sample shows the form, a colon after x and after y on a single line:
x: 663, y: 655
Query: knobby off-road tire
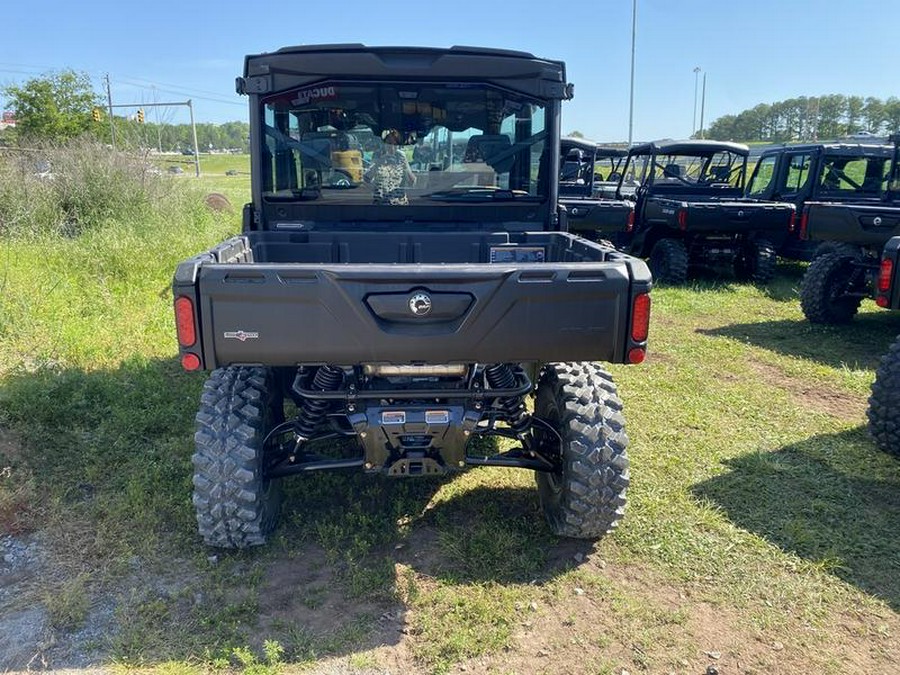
x: 826, y: 279
x: 235, y: 507
x: 586, y: 498
x: 669, y: 262
x: 756, y: 262
x: 827, y: 247
x: 884, y: 403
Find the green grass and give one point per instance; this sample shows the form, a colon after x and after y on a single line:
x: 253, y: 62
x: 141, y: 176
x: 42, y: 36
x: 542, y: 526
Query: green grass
x: 755, y: 492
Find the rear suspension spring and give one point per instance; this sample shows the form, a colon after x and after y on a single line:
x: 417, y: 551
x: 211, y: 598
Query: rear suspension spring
x: 501, y: 376
x: 313, y: 410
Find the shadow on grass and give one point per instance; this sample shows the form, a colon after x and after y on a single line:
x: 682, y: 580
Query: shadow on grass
x: 110, y: 452
x: 859, y: 344
x: 831, y: 499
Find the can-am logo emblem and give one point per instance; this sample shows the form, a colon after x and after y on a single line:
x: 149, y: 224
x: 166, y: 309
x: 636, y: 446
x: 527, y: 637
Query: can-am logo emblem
x: 877, y: 221
x: 420, y: 304
x: 740, y: 214
x: 241, y: 335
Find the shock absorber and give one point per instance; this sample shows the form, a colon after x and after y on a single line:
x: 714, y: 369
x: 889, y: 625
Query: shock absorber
x: 312, y: 412
x: 501, y: 376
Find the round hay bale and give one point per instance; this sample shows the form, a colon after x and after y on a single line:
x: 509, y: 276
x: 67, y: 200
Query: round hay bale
x: 216, y: 201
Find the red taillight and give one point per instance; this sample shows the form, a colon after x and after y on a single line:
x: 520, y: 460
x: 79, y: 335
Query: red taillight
x: 682, y: 219
x: 792, y: 221
x: 190, y: 361
x: 184, y: 321
x: 885, y: 274
x: 637, y: 355
x: 883, y: 301
x: 804, y: 224
x: 640, y: 317
x: 629, y: 222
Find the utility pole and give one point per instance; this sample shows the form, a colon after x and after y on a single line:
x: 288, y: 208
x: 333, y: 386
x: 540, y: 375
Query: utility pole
x: 631, y: 96
x: 112, y: 122
x: 702, y: 105
x: 158, y: 125
x: 194, y: 132
x: 696, y: 78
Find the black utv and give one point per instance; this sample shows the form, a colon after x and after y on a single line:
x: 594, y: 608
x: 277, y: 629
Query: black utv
x: 588, y: 175
x: 836, y: 283
x: 689, y: 211
x: 831, y: 172
x: 387, y: 325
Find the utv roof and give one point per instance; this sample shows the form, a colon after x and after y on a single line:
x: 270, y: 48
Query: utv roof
x: 836, y: 148
x: 570, y: 142
x: 303, y: 65
x: 669, y: 147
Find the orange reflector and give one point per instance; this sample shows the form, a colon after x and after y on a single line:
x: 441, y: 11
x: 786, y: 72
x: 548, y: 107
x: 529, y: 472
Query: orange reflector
x: 885, y: 274
x: 636, y: 355
x: 190, y: 361
x: 640, y: 317
x: 184, y: 321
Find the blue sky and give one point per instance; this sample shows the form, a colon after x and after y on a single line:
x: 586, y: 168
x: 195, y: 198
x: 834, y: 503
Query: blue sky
x: 752, y: 51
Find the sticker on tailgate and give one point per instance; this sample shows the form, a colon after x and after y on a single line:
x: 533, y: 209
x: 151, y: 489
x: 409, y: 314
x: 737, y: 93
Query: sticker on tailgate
x: 517, y: 254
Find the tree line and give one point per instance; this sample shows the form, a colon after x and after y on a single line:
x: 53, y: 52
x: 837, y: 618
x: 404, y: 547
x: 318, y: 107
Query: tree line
x: 809, y: 118
x: 60, y: 106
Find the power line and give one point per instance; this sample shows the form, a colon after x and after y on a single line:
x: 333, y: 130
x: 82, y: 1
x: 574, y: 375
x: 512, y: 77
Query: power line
x: 167, y: 84
x: 182, y: 92
x: 201, y: 94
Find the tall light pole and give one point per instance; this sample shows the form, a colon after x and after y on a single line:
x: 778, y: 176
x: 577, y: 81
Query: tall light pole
x: 631, y: 97
x: 702, y: 105
x: 696, y: 80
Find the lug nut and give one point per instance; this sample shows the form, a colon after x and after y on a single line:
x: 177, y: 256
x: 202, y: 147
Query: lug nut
x: 368, y: 465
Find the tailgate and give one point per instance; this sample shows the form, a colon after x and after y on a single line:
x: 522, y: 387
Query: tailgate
x: 284, y: 314
x: 862, y: 224
x: 605, y: 216
x: 739, y: 217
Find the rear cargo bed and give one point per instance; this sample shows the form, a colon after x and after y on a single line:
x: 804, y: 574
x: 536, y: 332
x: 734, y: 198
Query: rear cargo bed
x: 348, y: 297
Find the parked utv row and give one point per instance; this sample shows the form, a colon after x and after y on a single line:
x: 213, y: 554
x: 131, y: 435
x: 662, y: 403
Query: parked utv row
x: 392, y: 317
x: 681, y: 205
x: 691, y: 208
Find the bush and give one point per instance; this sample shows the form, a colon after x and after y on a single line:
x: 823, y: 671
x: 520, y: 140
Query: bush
x: 83, y: 185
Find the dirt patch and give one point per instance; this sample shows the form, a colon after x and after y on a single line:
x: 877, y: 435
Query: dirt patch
x: 632, y: 620
x: 640, y: 623
x: 818, y: 397
x: 304, y: 594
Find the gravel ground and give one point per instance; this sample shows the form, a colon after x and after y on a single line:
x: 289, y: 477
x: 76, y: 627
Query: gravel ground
x: 27, y: 639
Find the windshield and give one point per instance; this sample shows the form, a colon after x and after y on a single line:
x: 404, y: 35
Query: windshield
x: 398, y: 144
x: 721, y: 169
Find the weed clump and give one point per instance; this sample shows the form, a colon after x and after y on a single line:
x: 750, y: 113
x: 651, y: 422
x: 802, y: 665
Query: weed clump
x: 66, y: 190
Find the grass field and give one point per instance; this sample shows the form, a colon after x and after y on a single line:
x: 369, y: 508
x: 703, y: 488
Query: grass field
x: 762, y: 532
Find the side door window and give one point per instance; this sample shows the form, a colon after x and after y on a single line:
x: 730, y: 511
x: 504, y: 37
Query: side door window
x: 763, y: 177
x: 797, y: 176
